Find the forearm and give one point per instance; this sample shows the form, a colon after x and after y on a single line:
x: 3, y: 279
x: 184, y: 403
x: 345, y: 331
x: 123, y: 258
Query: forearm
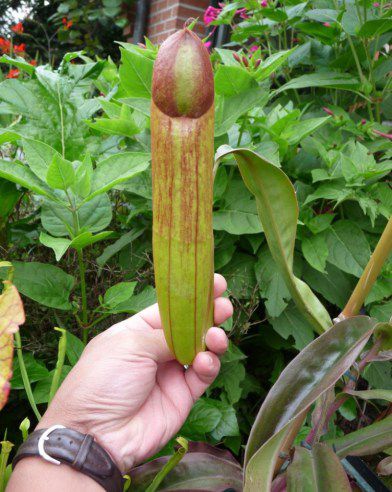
x: 36, y: 475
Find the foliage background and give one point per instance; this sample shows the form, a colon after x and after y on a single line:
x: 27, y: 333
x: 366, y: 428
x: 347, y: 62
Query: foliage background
x: 308, y: 90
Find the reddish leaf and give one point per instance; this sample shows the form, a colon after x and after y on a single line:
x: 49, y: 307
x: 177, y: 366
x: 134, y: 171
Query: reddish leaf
x: 11, y: 317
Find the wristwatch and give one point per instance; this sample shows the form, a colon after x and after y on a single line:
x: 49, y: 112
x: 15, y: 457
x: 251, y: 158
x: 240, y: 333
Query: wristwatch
x: 59, y: 444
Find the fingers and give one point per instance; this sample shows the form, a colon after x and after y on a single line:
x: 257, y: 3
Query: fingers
x: 223, y: 309
x: 217, y: 341
x: 220, y: 284
x: 202, y: 373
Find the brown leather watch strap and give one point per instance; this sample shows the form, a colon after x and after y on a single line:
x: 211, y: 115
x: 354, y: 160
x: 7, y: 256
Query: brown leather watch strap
x: 77, y: 450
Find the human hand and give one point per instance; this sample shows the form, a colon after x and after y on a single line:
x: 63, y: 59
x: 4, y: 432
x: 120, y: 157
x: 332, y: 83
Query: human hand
x: 128, y: 391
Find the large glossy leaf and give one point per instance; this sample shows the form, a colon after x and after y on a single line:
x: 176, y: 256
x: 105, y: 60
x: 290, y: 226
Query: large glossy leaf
x: 11, y: 317
x: 203, y: 468
x: 316, y: 470
x: 309, y: 375
x: 370, y: 440
x: 278, y: 211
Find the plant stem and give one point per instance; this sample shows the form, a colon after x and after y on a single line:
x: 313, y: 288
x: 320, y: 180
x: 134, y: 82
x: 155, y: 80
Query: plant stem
x: 370, y: 274
x: 173, y: 461
x: 25, y: 377
x: 6, y: 447
x: 59, y: 364
x: 83, y: 292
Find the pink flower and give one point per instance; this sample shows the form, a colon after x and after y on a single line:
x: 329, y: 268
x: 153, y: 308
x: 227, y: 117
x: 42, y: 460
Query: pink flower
x: 253, y: 48
x: 242, y: 13
x: 363, y: 121
x: 382, y: 134
x: 328, y: 111
x: 264, y: 3
x: 326, y: 24
x: 208, y: 44
x: 376, y: 4
x: 211, y: 14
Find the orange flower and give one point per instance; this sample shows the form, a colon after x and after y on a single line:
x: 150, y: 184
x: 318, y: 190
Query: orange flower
x: 19, y: 48
x: 17, y: 28
x: 5, y: 45
x: 13, y: 74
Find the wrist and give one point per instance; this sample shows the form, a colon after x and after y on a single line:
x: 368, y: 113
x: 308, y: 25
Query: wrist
x: 110, y: 440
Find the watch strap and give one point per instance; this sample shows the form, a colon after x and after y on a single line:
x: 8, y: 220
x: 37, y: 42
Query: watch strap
x: 77, y: 450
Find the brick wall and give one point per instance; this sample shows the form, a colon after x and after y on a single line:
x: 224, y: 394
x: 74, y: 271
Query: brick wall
x: 166, y: 16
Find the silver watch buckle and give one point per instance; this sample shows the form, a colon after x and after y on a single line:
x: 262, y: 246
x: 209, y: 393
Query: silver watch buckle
x: 41, y: 443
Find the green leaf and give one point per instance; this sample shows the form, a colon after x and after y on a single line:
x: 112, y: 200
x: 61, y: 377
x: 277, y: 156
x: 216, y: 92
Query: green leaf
x: 229, y: 109
x: 227, y: 425
x: 137, y: 302
x: 292, y: 323
x: 231, y: 374
x: 383, y: 331
x: 61, y: 174
x: 232, y: 80
x: 118, y: 293
x: 348, y: 247
x: 367, y: 441
x: 377, y: 394
x: 278, y: 211
x: 42, y: 390
x: 83, y: 175
x: 238, y: 214
x: 312, y: 372
x: 295, y: 131
x: 74, y: 348
x: 379, y: 375
x: 19, y: 63
x: 318, y: 469
x: 271, y: 284
x: 375, y: 27
x: 335, y: 285
x: 135, y: 74
x: 116, y: 169
x: 203, y: 417
x: 240, y: 276
x: 58, y: 244
x: 36, y: 371
x: 44, y: 283
x: 22, y: 175
x: 322, y: 79
x: 139, y: 104
x: 319, y: 223
x: 87, y: 239
x: 322, y: 15
x: 39, y: 156
x: 382, y: 312
x: 118, y: 245
x: 92, y: 216
x: 271, y: 64
x: 315, y: 251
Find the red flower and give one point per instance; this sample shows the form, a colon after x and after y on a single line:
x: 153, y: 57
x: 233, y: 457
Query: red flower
x: 20, y: 48
x: 12, y: 74
x: 67, y: 23
x: 33, y: 62
x: 5, y: 45
x: 17, y: 28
